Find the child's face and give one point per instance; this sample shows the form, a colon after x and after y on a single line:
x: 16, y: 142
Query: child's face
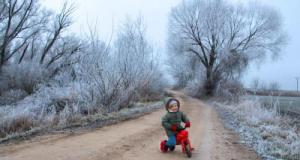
x: 173, y: 108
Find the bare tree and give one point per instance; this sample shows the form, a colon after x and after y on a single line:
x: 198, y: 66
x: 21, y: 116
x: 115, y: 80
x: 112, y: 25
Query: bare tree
x: 263, y: 87
x: 134, y: 53
x: 25, y: 28
x: 274, y: 86
x: 183, y: 69
x: 20, y: 20
x: 113, y: 76
x: 61, y: 22
x: 255, y: 84
x: 33, y: 38
x: 224, y: 37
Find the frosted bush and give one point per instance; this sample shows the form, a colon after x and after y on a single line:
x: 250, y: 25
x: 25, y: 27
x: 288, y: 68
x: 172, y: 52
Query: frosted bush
x: 269, y: 133
x: 254, y: 114
x: 37, y: 109
x: 12, y: 96
x: 24, y: 76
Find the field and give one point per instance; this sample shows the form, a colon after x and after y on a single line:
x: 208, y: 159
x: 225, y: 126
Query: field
x: 282, y: 104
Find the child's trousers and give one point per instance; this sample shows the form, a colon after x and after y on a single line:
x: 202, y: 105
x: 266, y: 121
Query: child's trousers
x: 171, y: 141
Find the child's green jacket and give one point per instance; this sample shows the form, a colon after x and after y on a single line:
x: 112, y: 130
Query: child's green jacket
x: 172, y: 118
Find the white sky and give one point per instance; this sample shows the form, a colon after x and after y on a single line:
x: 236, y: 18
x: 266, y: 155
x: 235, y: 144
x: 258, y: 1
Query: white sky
x: 287, y: 67
x: 109, y: 14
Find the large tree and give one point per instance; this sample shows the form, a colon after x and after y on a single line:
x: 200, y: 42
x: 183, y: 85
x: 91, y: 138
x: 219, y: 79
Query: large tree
x: 223, y: 37
x: 19, y: 21
x: 34, y: 45
x: 27, y: 30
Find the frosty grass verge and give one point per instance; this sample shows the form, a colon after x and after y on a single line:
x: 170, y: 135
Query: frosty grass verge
x: 92, y: 121
x: 271, y: 135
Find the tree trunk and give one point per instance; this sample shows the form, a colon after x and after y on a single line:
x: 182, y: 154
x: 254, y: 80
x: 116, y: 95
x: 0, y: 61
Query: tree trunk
x: 210, y: 82
x: 2, y: 56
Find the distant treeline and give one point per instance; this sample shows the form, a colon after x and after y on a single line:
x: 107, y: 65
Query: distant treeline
x: 273, y: 93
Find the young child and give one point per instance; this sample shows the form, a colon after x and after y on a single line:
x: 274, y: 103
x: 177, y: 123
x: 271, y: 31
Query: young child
x: 171, y: 123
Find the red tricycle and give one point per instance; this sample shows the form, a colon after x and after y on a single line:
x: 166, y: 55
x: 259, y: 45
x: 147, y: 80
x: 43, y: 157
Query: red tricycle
x: 182, y: 138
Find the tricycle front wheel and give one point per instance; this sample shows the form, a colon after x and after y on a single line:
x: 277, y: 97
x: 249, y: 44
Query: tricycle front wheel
x: 188, y: 150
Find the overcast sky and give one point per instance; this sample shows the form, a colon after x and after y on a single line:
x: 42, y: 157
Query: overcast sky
x: 287, y: 67
x: 109, y: 14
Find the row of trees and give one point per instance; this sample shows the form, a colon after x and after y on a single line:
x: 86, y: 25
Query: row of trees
x: 64, y: 77
x: 49, y: 77
x: 35, y: 49
x: 219, y: 40
x: 210, y: 44
x: 258, y: 85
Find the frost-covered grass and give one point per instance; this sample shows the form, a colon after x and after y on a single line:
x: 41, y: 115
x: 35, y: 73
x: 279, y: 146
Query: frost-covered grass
x: 283, y: 104
x: 36, y: 110
x: 273, y: 136
x: 56, y: 107
x: 39, y: 112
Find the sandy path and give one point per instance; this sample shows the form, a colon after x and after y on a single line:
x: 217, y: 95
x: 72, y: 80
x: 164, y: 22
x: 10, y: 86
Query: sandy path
x: 136, y: 139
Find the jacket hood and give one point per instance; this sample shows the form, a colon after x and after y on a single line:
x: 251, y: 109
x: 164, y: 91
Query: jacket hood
x: 169, y: 101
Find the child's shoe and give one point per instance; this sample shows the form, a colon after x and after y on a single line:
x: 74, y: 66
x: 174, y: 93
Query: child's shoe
x: 163, y: 146
x: 172, y: 148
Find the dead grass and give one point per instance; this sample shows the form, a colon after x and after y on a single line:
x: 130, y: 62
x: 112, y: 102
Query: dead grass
x: 18, y: 124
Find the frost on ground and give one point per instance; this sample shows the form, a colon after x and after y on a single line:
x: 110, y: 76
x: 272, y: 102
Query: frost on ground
x: 272, y: 136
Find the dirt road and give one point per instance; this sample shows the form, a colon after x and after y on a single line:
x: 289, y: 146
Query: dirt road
x: 136, y: 139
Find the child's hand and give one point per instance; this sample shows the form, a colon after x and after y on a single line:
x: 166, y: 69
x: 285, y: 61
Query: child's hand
x: 174, y: 127
x: 187, y: 124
